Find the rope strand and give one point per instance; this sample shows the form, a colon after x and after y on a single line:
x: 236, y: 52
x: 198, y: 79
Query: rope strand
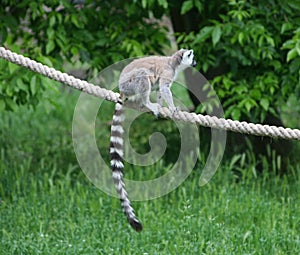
x: 203, y: 120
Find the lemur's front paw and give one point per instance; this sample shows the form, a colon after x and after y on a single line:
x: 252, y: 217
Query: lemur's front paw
x: 156, y: 112
x: 154, y: 108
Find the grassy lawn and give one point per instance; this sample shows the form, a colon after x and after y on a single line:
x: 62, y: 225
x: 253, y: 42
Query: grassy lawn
x: 48, y: 206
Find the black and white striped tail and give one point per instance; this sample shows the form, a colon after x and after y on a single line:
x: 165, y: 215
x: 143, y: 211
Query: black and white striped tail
x: 116, y: 162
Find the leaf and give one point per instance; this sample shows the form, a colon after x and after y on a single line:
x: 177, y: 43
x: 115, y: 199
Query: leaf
x: 264, y: 103
x: 50, y: 46
x: 236, y: 114
x: 260, y: 40
x: 270, y: 40
x: 198, y: 5
x: 298, y: 47
x: 33, y: 85
x: 249, y: 103
x: 286, y: 27
x: 241, y: 37
x: 240, y: 89
x: 203, y: 34
x: 101, y: 42
x: 295, y: 5
x: 291, y: 54
x: 255, y: 93
x: 163, y: 3
x: 234, y: 160
x: 246, y: 235
x: 186, y: 6
x: 52, y: 21
x: 205, y: 67
x: 50, y: 33
x: 3, y: 35
x: 75, y: 21
x: 216, y: 35
x: 9, y: 91
x: 21, y: 84
x: 294, y: 68
x: 45, y: 61
x: 11, y: 104
x: 276, y: 64
x: 74, y: 50
x: 2, y: 105
x: 12, y: 67
x: 289, y: 44
x: 144, y: 4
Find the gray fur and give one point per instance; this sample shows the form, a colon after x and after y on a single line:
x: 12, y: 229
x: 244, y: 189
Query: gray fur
x: 142, y: 75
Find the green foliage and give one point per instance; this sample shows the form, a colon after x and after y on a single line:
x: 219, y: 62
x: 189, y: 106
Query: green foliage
x: 96, y: 33
x: 190, y: 4
x: 293, y: 45
x: 258, y: 47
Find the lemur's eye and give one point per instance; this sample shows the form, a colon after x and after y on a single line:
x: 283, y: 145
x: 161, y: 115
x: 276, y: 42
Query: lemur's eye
x: 190, y: 54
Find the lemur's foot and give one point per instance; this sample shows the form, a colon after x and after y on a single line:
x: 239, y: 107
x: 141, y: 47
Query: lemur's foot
x: 154, y: 108
x: 175, y: 109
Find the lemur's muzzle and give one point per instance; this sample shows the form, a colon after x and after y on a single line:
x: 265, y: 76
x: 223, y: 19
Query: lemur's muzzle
x: 194, y: 63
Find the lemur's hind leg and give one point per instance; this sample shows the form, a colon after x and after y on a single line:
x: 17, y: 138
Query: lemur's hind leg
x: 144, y: 93
x: 136, y: 87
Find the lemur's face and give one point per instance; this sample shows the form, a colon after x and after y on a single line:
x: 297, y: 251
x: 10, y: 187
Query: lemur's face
x: 188, y: 58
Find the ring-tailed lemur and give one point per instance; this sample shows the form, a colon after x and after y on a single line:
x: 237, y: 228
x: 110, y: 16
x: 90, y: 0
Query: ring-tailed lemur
x: 136, y: 82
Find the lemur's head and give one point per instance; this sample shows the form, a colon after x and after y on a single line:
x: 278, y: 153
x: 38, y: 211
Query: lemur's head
x: 184, y: 58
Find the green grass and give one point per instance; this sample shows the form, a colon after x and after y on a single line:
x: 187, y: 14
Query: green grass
x: 48, y: 206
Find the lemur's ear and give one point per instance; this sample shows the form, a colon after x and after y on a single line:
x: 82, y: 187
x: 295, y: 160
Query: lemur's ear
x: 177, y: 58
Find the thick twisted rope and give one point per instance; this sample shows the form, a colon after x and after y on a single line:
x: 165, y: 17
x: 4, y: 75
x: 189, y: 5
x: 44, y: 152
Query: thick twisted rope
x: 204, y: 120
